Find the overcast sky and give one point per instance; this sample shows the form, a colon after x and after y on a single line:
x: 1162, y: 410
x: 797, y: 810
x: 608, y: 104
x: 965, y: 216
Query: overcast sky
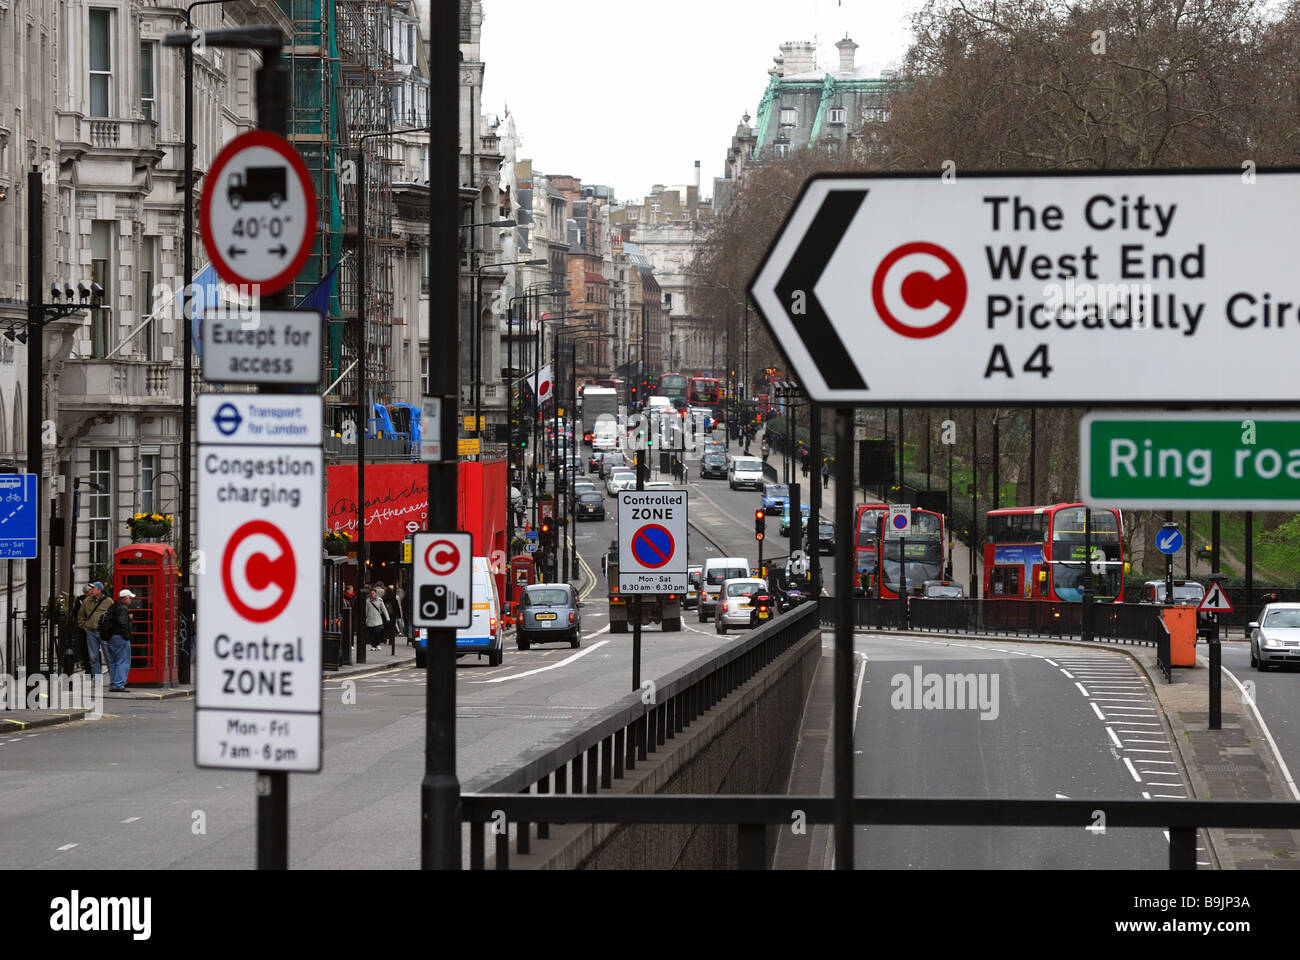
x: 631, y: 94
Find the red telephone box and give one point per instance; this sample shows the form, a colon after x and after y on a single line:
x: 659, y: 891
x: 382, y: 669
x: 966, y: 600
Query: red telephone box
x: 149, y: 571
x: 522, y: 572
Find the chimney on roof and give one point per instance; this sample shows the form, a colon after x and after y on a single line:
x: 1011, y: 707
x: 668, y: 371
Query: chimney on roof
x: 847, y: 48
x: 798, y: 57
x: 697, y: 174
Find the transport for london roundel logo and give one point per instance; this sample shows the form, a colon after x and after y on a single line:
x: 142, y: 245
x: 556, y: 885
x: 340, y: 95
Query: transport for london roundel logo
x: 919, y: 290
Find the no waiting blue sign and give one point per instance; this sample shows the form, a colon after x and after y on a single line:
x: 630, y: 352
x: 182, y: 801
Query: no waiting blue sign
x: 652, y: 546
x: 652, y: 541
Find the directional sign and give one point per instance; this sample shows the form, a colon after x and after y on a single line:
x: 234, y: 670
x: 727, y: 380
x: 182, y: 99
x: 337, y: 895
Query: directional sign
x: 531, y: 546
x: 442, y: 580
x: 1169, y: 540
x: 652, y: 541
x: 18, y: 512
x: 258, y: 644
x: 262, y: 346
x: 258, y: 212
x: 899, y: 521
x: 1190, y: 461
x: 1037, y: 287
x: 1215, y: 600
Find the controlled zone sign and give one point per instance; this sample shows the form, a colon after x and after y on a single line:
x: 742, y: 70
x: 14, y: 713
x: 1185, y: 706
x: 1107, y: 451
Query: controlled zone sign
x: 442, y: 577
x: 258, y: 212
x: 1190, y: 461
x: 18, y: 511
x: 899, y: 520
x: 652, y: 541
x: 1092, y: 289
x: 258, y: 645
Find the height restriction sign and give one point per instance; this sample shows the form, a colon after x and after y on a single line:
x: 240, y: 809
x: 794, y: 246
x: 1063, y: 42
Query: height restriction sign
x: 258, y: 646
x: 652, y: 541
x: 258, y: 212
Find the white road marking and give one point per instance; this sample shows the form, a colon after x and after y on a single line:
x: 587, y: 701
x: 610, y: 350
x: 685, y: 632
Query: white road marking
x: 130, y: 820
x: 67, y: 846
x: 1118, y: 742
x: 554, y: 666
x: 1151, y: 760
x: 1051, y: 661
x: 1128, y: 763
x: 1081, y: 690
x: 1144, y: 741
x: 1277, y: 754
x: 857, y: 696
x: 1145, y: 795
x: 1066, y: 672
x: 1097, y: 710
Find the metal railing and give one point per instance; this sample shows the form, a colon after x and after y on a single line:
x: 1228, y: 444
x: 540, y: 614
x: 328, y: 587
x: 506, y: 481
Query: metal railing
x: 751, y: 815
x: 1162, y: 651
x: 1136, y: 623
x: 614, y: 740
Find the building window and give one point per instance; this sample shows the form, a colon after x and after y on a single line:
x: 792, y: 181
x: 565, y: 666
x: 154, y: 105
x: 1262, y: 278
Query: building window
x: 99, y: 507
x: 148, y: 103
x: 148, y: 275
x: 101, y: 62
x: 148, y: 481
x: 101, y: 272
x: 781, y: 149
x: 424, y: 269
x: 836, y: 115
x: 424, y: 376
x: 789, y: 117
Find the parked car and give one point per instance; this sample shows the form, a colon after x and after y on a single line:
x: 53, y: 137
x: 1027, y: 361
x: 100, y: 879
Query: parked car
x: 1275, y: 636
x: 733, y: 602
x: 548, y: 613
x: 589, y: 506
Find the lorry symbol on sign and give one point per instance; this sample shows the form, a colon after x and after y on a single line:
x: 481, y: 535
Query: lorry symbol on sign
x: 258, y: 585
x: 258, y: 185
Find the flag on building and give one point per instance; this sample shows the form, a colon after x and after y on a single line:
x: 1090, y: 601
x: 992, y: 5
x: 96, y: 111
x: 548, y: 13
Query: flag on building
x: 318, y: 297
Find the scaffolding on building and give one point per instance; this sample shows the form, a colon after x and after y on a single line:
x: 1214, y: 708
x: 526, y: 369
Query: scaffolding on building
x: 343, y: 72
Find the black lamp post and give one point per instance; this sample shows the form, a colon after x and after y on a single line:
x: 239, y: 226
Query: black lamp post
x: 477, y: 346
x: 566, y: 505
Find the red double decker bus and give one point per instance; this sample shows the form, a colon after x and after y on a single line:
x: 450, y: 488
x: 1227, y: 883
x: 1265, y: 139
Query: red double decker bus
x: 1038, y: 553
x: 705, y: 392
x: 674, y: 387
x: 877, y: 566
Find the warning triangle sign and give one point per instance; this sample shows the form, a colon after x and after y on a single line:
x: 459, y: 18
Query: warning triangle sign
x: 1216, y: 601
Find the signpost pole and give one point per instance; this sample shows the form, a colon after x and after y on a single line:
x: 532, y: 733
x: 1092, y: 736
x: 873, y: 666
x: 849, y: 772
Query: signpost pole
x: 843, y: 680
x: 1216, y: 654
x: 1086, y: 608
x: 902, y: 583
x: 1169, y: 563
x: 815, y: 494
x: 641, y: 458
x: 440, y: 789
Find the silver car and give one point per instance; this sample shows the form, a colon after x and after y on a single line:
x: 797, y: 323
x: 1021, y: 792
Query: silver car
x: 1275, y: 637
x: 733, y: 602
x: 548, y: 613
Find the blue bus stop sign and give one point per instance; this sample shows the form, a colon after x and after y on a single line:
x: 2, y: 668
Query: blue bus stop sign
x: 18, y: 512
x: 1169, y: 540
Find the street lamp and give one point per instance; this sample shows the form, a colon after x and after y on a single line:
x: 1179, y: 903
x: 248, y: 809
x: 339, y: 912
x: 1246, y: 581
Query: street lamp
x: 565, y: 504
x: 478, y: 332
x: 541, y: 339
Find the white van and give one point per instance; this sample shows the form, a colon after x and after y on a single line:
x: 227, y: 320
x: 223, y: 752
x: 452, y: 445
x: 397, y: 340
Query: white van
x: 745, y: 472
x: 485, y: 634
x: 714, y: 571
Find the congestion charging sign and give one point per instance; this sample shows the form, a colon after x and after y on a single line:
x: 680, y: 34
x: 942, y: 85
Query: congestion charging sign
x: 258, y: 645
x: 1131, y: 287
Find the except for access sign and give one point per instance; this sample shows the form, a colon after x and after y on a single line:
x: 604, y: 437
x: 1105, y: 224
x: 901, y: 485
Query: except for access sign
x: 442, y: 580
x: 1130, y: 287
x: 258, y: 646
x: 258, y: 212
x: 262, y: 346
x: 652, y: 541
x: 1190, y: 461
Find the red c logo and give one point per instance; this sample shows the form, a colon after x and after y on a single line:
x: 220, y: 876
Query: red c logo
x: 442, y: 557
x: 257, y: 572
x: 919, y: 290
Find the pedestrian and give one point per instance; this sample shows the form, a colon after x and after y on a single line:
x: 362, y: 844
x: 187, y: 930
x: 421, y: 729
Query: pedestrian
x: 375, y: 617
x: 94, y: 604
x: 767, y: 449
x: 116, y: 625
x: 803, y: 459
x: 826, y: 475
x: 394, y: 614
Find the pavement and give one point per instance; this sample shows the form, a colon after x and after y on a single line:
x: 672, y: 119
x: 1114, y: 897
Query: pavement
x: 1236, y: 762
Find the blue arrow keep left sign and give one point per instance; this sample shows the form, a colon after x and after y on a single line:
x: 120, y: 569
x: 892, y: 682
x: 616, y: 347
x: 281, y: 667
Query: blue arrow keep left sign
x: 18, y: 512
x: 1169, y: 540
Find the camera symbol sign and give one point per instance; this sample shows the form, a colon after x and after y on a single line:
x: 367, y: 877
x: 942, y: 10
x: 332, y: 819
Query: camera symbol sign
x: 442, y: 580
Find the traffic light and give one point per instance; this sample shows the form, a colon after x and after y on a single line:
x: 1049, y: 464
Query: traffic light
x: 760, y: 524
x: 548, y: 533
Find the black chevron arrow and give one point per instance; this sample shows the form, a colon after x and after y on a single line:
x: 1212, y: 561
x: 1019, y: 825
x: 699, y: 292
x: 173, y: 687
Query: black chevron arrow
x: 806, y: 267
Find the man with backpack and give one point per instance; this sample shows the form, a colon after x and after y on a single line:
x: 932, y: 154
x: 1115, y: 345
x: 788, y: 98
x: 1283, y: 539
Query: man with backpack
x: 116, y: 625
x: 94, y: 605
